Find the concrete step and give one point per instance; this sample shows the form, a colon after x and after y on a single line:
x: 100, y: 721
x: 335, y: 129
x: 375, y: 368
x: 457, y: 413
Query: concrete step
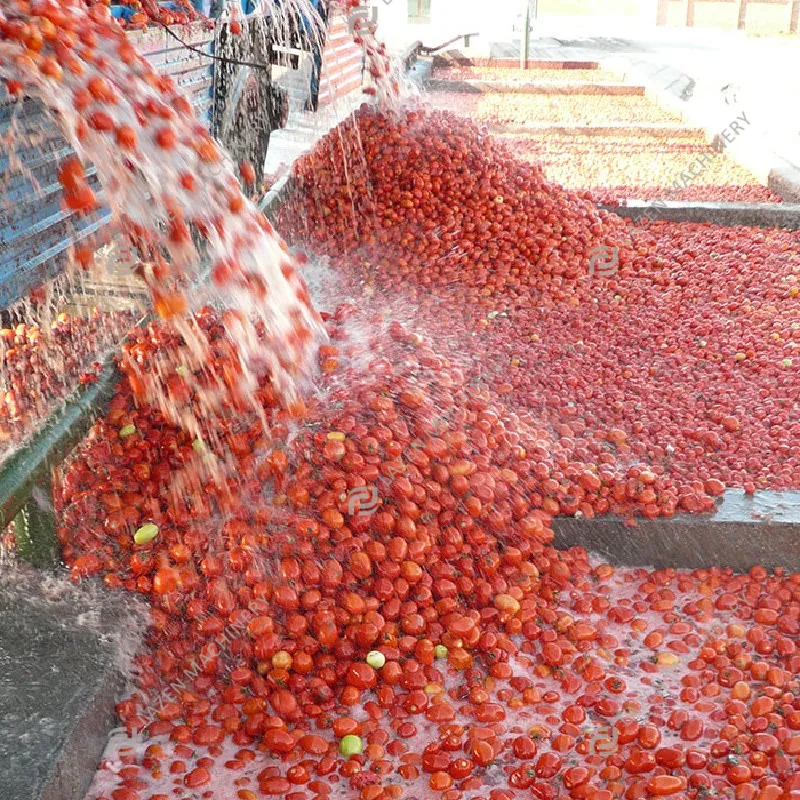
x: 743, y: 532
x: 514, y: 63
x: 759, y: 215
x: 304, y: 128
x: 540, y: 87
x: 59, y: 684
x: 771, y: 151
x: 650, y: 129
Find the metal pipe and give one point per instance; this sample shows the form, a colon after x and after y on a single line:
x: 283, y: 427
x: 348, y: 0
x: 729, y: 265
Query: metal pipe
x: 410, y: 55
x: 526, y: 29
x: 465, y: 36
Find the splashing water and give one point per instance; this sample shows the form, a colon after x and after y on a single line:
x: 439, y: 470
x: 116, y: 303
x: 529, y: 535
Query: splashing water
x: 297, y: 32
x: 56, y: 341
x: 163, y: 175
x: 483, y: 624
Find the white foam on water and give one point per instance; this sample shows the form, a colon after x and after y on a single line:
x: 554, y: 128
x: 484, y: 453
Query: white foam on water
x: 642, y: 687
x: 173, y: 176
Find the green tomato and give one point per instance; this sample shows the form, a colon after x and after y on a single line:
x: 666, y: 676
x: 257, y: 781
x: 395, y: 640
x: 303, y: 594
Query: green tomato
x: 128, y: 430
x: 376, y: 659
x: 351, y: 745
x: 440, y: 651
x: 146, y: 533
x: 199, y: 446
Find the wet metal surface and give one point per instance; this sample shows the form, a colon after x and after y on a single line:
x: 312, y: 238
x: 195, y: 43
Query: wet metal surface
x: 35, y: 231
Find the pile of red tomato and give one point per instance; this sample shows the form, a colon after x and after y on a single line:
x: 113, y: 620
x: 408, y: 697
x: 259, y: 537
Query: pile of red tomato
x: 165, y: 178
x: 617, y: 167
x: 40, y: 366
x: 360, y: 598
x: 505, y: 108
x: 436, y: 645
x: 678, y: 350
x: 427, y: 641
x: 435, y: 188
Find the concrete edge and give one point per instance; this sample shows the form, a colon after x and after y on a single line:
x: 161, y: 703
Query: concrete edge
x: 684, y: 541
x: 456, y: 57
x: 72, y: 646
x: 754, y: 215
x: 568, y: 129
x: 74, y: 770
x: 683, y: 544
x: 417, y: 67
x: 542, y: 87
x: 784, y: 180
x: 276, y: 195
x: 410, y: 55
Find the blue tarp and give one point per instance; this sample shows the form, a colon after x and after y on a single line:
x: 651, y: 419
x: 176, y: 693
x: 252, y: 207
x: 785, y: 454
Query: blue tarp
x: 248, y: 6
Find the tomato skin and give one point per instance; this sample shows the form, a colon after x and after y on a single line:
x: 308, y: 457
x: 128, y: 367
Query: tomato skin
x: 275, y: 787
x: 765, y: 743
x: 739, y: 774
x: 547, y: 765
x: 482, y: 752
x: 460, y: 768
x: 696, y: 759
x: 278, y: 741
x: 313, y: 745
x: 524, y: 748
x: 543, y: 791
x: 522, y: 777
x: 508, y: 646
x: 197, y: 777
x: 669, y: 757
x: 649, y: 737
x: 664, y: 785
x: 692, y: 729
x: 361, y: 676
x: 284, y: 704
x: 575, y: 776
x: 640, y: 762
